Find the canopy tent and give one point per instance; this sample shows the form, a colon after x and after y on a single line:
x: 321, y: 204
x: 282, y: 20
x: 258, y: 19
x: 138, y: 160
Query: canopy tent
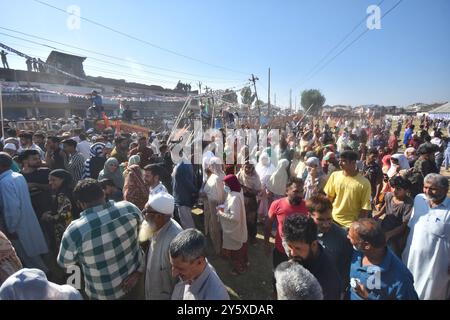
x: 442, y: 112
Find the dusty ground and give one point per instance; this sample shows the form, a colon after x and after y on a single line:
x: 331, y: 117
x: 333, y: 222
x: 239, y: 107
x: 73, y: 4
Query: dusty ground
x: 256, y: 283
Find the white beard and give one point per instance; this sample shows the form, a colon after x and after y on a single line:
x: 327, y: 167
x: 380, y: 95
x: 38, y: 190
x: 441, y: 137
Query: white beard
x: 146, y: 231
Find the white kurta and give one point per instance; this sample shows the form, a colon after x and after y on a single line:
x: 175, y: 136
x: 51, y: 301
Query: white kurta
x: 214, y: 189
x: 427, y: 251
x: 18, y: 215
x: 233, y: 221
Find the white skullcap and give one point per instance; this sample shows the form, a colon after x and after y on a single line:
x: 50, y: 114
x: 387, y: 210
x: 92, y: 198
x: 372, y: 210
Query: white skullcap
x: 215, y: 160
x: 10, y: 146
x: 162, y: 202
x: 32, y: 284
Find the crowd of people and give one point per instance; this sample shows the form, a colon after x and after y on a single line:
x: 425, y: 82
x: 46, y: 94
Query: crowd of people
x: 355, y: 213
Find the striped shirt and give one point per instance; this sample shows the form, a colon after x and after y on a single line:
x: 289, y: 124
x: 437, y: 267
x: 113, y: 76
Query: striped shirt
x: 76, y: 166
x: 104, y: 242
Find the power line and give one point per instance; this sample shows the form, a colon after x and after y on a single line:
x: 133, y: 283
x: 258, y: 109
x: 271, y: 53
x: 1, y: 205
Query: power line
x: 141, y: 40
x: 111, y: 72
x: 338, y: 44
x: 74, y: 76
x: 101, y: 54
x: 111, y: 63
x: 347, y: 46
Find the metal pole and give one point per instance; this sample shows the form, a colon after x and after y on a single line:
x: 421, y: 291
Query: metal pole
x: 1, y: 112
x: 253, y: 79
x: 213, y: 113
x: 300, y: 121
x: 268, y: 99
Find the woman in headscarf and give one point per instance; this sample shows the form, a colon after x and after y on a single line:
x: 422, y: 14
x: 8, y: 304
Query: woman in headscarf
x: 215, y: 195
x: 135, y: 190
x: 9, y: 261
x: 136, y: 159
x: 264, y: 169
x: 386, y: 163
x: 96, y: 162
x: 251, y: 185
x: 63, y: 208
x: 398, y: 162
x: 234, y: 225
x: 315, y: 180
x: 278, y: 180
x: 111, y: 171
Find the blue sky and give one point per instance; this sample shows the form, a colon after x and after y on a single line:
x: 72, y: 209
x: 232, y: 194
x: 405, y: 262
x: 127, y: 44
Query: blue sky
x: 406, y: 61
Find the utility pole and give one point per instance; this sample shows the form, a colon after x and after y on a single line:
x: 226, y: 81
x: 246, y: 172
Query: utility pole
x: 253, y: 79
x: 268, y: 99
x: 200, y: 87
x: 295, y: 104
x: 290, y: 100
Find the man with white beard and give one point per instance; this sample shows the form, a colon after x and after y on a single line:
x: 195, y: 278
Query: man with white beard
x: 160, y: 229
x: 427, y: 253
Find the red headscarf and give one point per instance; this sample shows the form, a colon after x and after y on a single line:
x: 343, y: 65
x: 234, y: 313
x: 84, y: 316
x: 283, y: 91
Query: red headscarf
x: 387, y: 160
x: 232, y: 181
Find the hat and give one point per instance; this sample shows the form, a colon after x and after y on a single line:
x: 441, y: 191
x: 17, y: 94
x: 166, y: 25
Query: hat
x: 329, y: 155
x: 89, y: 131
x: 10, y: 146
x: 162, y: 202
x: 310, y: 154
x: 32, y: 284
x: 427, y: 148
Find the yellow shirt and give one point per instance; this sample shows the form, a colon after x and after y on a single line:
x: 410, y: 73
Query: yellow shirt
x: 351, y: 195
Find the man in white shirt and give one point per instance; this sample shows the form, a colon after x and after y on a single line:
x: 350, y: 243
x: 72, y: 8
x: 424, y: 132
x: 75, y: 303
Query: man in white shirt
x: 152, y: 174
x: 427, y: 251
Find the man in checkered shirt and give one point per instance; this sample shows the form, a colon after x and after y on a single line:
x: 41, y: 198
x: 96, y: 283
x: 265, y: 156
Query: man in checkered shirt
x: 104, y: 243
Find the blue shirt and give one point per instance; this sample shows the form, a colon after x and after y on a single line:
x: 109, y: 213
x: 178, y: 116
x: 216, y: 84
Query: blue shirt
x: 407, y: 136
x: 183, y: 186
x: 390, y: 280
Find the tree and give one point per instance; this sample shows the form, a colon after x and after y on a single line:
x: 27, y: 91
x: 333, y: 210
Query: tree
x: 259, y: 103
x: 246, y: 96
x: 230, y: 96
x: 312, y: 97
x: 186, y: 87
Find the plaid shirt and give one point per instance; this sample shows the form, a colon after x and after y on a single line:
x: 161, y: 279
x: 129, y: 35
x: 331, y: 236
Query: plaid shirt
x: 104, y: 242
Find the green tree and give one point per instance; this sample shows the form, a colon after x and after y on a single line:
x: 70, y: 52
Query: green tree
x: 247, y: 97
x: 312, y: 97
x: 259, y: 103
x: 230, y: 96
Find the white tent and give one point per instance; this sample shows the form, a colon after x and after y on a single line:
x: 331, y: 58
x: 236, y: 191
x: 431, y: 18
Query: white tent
x: 442, y: 112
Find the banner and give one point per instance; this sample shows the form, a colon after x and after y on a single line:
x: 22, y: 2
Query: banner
x: 51, y: 98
